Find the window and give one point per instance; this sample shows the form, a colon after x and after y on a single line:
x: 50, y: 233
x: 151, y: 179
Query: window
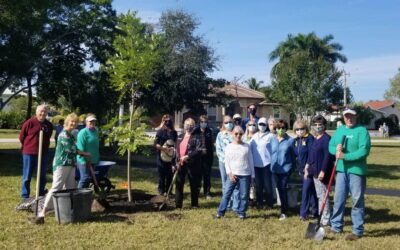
x: 211, y: 113
x: 277, y: 112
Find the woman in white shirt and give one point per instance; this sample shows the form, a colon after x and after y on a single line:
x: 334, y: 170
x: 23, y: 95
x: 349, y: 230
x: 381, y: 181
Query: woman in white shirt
x: 240, y: 171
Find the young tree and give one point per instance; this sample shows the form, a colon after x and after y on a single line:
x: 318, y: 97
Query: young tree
x: 131, y: 69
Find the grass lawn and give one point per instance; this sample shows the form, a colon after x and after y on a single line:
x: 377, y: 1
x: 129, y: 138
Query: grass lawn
x: 9, y: 133
x: 193, y: 229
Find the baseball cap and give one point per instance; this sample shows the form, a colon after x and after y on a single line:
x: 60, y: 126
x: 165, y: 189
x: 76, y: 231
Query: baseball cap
x: 91, y: 118
x: 349, y: 111
x: 262, y: 120
x: 237, y: 116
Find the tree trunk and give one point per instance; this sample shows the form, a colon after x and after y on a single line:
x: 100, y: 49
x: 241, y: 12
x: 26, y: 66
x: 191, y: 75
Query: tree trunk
x: 129, y: 151
x: 29, y: 109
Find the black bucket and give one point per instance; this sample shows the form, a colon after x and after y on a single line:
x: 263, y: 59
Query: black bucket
x: 72, y: 205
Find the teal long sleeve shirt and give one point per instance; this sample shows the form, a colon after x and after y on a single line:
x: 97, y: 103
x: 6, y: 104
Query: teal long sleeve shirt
x: 356, y: 148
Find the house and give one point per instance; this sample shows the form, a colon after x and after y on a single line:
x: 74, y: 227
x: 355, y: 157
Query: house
x: 242, y: 97
x: 381, y: 109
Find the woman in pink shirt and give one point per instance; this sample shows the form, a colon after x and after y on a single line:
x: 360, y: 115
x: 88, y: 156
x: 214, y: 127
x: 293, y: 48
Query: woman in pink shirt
x: 188, y: 162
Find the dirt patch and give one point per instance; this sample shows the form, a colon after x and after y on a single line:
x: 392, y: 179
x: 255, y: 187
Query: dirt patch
x: 173, y: 216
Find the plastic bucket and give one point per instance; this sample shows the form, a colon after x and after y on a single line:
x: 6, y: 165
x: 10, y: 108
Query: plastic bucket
x: 72, y: 205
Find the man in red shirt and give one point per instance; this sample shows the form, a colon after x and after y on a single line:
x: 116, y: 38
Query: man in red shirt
x: 29, y: 138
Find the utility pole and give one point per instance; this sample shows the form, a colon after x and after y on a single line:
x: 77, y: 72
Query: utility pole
x: 345, y: 88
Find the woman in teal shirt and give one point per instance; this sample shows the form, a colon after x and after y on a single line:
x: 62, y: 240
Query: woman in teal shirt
x: 88, y: 141
x: 63, y: 164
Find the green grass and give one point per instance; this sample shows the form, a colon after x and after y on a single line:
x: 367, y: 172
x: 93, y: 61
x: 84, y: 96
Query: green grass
x: 9, y: 133
x: 144, y: 229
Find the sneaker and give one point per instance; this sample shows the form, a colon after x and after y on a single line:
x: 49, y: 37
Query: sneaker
x: 242, y: 216
x: 36, y: 220
x: 353, y: 237
x: 208, y: 197
x: 302, y: 218
x: 333, y: 231
x: 282, y: 217
x: 218, y: 216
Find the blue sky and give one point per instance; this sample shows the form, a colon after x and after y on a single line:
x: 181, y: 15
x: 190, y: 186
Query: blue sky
x: 243, y: 33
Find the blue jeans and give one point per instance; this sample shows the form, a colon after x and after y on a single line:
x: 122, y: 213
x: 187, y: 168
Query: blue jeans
x: 84, y: 175
x: 243, y: 185
x: 356, y: 184
x: 234, y: 202
x: 281, y: 181
x: 263, y: 183
x: 29, y: 163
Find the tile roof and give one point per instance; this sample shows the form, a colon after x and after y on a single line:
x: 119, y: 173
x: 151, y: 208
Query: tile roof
x: 379, y: 104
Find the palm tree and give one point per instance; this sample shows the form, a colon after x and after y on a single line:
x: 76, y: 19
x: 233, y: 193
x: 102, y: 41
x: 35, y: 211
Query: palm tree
x: 311, y: 44
x: 252, y: 83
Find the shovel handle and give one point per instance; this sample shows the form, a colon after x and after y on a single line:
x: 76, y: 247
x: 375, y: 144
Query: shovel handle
x: 92, y: 173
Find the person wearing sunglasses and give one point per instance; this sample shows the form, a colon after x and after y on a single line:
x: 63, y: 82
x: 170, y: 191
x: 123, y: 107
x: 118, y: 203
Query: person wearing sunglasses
x: 240, y: 170
x: 282, y: 162
x: 251, y: 129
x: 302, y: 147
x: 189, y: 150
x: 165, y: 133
x: 260, y: 149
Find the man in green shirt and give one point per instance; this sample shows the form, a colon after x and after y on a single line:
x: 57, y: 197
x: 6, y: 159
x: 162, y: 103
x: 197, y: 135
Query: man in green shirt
x: 351, y: 172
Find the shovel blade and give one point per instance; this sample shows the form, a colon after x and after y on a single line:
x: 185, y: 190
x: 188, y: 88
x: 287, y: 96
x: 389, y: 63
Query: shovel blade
x: 315, y: 232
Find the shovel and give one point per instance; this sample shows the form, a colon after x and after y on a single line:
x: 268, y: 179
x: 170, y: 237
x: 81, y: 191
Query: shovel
x: 314, y: 230
x: 92, y: 173
x: 39, y: 172
x: 164, y: 204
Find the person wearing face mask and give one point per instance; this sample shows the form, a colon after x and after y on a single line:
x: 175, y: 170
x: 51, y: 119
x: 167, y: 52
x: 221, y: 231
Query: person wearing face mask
x: 251, y: 129
x: 87, y: 141
x: 260, y: 148
x: 302, y: 147
x: 189, y: 150
x: 320, y: 164
x: 252, y: 110
x: 29, y: 138
x: 224, y: 138
x: 165, y: 132
x: 205, y: 134
x: 282, y: 163
x: 237, y: 120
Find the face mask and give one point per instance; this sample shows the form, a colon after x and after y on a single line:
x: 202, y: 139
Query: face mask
x: 252, y: 111
x: 280, y: 132
x: 229, y: 126
x: 262, y: 128
x: 188, y: 128
x: 318, y: 129
x: 252, y: 129
x: 300, y: 133
x: 203, y: 125
x: 168, y: 123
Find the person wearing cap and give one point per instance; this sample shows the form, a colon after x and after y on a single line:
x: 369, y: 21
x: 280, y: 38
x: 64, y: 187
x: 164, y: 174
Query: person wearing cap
x: 165, y: 132
x: 252, y: 110
x: 351, y: 172
x: 237, y: 119
x: 302, y: 147
x: 87, y: 141
x: 260, y: 148
x: 29, y: 138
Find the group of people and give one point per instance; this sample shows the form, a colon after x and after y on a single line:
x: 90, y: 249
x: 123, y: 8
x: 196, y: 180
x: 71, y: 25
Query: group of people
x: 259, y: 150
x: 255, y: 149
x: 73, y: 148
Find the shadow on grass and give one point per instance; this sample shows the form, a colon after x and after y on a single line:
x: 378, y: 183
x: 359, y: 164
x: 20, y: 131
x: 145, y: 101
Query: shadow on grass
x: 383, y: 172
x: 383, y: 232
x: 380, y: 216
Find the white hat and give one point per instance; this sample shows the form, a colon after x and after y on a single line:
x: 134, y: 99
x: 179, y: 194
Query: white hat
x: 262, y: 120
x: 91, y: 118
x: 349, y: 111
x: 237, y: 116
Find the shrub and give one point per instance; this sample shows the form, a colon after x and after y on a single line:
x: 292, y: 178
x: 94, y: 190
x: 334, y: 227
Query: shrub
x: 11, y: 120
x: 393, y: 127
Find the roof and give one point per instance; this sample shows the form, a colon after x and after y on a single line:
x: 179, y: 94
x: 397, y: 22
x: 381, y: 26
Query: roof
x: 242, y: 92
x: 379, y: 104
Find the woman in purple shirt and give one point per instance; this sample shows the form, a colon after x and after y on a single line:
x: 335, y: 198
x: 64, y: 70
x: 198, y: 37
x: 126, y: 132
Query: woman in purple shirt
x: 320, y: 164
